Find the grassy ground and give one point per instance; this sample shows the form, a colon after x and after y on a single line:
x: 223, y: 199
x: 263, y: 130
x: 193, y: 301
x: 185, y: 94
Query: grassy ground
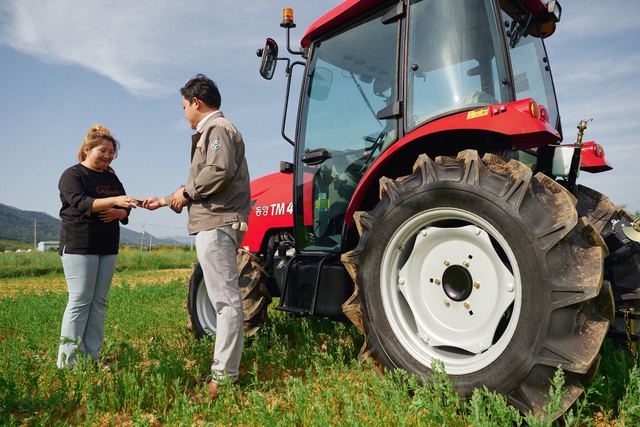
x: 295, y: 372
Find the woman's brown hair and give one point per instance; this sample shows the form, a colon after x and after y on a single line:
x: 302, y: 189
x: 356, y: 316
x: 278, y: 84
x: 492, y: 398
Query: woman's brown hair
x: 95, y: 135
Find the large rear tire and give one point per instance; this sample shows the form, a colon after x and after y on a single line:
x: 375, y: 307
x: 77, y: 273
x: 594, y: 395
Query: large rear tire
x: 622, y: 264
x: 254, y: 293
x: 479, y: 264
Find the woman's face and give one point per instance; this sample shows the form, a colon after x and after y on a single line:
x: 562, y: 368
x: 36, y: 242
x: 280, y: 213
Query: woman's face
x: 100, y: 156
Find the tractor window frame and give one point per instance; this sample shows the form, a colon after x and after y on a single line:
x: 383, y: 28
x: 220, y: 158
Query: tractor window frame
x: 502, y: 92
x: 393, y: 126
x: 545, y: 68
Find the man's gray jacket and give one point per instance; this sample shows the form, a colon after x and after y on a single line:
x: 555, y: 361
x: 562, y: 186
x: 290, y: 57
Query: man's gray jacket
x: 218, y: 183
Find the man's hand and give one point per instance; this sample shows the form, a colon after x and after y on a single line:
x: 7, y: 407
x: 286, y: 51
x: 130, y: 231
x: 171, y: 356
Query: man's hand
x: 112, y: 214
x: 153, y: 203
x: 178, y: 201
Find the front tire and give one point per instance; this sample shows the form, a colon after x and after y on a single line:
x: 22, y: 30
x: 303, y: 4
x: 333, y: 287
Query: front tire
x: 253, y: 291
x: 519, y: 275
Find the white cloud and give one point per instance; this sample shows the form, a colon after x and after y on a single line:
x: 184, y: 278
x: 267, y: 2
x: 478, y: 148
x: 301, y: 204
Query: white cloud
x: 599, y: 18
x: 146, y: 46
x: 119, y: 40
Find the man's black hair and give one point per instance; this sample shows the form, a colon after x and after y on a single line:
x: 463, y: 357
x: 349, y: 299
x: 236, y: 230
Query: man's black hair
x: 203, y: 88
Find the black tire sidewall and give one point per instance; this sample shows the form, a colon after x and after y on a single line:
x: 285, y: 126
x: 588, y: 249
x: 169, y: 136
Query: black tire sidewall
x: 517, y: 359
x: 195, y: 281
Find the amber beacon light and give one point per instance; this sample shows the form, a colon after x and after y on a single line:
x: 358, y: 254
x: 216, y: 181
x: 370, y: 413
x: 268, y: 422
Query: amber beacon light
x: 287, y: 18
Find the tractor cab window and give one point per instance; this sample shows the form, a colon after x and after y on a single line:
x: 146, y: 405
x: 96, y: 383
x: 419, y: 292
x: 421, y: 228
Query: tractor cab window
x: 350, y: 79
x: 531, y: 71
x: 454, y: 59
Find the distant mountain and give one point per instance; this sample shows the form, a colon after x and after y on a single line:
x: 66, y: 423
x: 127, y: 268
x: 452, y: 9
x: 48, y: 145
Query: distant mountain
x: 183, y: 240
x: 16, y: 224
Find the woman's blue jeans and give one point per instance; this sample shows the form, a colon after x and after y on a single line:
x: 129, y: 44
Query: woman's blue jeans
x: 88, y: 281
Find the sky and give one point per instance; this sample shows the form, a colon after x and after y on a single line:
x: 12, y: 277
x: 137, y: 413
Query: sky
x: 67, y: 64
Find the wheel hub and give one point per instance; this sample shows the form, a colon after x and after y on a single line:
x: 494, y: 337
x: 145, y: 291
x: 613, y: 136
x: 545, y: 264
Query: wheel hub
x: 457, y: 283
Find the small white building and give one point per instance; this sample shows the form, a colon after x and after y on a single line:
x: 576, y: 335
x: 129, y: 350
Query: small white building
x: 45, y: 246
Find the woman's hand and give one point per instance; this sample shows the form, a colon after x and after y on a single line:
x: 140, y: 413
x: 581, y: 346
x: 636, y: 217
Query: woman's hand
x: 125, y: 201
x: 112, y: 214
x: 100, y: 205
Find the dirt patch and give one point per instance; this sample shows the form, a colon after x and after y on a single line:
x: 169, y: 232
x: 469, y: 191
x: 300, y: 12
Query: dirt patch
x: 14, y: 286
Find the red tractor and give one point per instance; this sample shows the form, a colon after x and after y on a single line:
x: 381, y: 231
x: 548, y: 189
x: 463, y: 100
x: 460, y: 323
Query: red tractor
x: 431, y: 203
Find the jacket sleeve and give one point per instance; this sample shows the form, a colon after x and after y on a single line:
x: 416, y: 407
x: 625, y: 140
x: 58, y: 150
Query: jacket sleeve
x: 219, y: 167
x: 73, y: 192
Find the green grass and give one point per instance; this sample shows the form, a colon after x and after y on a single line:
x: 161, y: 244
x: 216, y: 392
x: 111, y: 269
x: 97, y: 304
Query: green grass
x: 12, y: 245
x: 42, y: 263
x: 294, y: 372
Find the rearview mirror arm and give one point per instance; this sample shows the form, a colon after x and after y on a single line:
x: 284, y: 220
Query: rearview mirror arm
x: 286, y: 101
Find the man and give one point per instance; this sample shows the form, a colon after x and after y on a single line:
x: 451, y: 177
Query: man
x: 218, y: 199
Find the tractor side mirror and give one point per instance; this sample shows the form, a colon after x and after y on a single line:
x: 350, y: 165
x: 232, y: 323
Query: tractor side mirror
x: 321, y: 84
x: 269, y: 56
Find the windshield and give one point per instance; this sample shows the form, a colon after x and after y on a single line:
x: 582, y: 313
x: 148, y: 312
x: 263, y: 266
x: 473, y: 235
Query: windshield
x: 455, y: 59
x: 352, y: 77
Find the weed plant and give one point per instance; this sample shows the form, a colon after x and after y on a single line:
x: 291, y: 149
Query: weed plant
x: 294, y: 372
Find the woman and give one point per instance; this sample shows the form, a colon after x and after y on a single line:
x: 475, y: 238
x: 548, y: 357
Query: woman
x: 93, y: 201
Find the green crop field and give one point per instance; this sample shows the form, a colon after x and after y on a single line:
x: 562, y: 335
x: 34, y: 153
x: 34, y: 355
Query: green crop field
x: 294, y: 372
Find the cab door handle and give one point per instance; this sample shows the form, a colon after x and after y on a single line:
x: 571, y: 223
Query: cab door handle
x: 315, y: 156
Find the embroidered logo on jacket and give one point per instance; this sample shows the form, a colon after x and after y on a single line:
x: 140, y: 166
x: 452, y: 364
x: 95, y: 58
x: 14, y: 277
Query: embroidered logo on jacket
x: 215, y: 144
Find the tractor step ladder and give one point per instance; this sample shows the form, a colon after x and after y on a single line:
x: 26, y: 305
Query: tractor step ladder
x: 291, y: 291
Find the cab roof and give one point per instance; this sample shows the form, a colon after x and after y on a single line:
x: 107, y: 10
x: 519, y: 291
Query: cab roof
x: 352, y: 9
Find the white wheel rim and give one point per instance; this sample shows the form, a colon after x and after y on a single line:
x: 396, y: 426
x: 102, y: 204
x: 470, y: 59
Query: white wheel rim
x: 426, y: 309
x: 204, y: 310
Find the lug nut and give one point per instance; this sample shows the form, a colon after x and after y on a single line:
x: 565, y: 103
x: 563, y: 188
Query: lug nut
x: 446, y: 263
x: 437, y: 281
x: 466, y: 264
x: 476, y: 285
x: 423, y: 232
x: 401, y: 281
x: 467, y: 305
x: 447, y: 302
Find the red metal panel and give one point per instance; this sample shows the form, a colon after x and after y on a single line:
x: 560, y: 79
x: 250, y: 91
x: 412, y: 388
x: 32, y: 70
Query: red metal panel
x: 352, y: 9
x: 342, y: 14
x: 307, y: 198
x: 273, y: 207
x: 513, y: 120
x: 592, y: 158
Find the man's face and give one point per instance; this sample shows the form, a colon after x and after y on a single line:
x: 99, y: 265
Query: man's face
x: 191, y: 112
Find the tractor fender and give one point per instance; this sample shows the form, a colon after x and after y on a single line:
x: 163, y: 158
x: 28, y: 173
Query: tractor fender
x: 271, y: 208
x: 512, y: 124
x: 592, y: 158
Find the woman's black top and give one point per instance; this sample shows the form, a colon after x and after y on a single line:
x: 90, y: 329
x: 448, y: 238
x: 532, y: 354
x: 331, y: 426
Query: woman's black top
x: 82, y: 231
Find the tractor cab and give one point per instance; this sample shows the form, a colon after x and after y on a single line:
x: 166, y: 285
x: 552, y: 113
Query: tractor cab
x: 387, y: 73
